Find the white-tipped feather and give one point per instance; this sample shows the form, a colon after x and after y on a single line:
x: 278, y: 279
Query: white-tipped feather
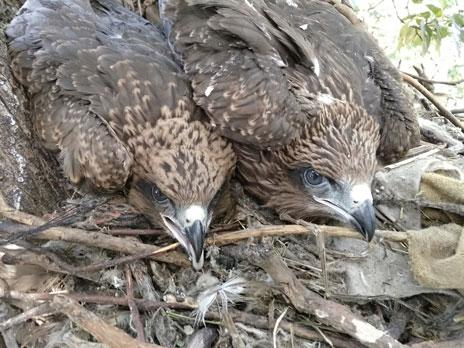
x: 229, y: 292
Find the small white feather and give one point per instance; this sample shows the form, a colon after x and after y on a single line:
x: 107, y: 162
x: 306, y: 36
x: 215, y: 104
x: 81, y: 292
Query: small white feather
x: 208, y: 90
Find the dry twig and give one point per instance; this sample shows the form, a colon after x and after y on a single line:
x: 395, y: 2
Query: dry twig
x: 88, y: 321
x: 328, y: 312
x: 42, y: 309
x: 423, y: 79
x: 426, y: 93
x: 135, y: 315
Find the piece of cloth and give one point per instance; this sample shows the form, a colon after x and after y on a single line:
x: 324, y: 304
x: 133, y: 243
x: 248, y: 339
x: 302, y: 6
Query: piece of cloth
x: 442, y: 187
x: 437, y: 256
x: 438, y: 178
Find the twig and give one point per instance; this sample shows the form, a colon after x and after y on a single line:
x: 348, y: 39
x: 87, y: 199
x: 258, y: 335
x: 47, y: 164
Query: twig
x: 124, y: 259
x: 90, y: 322
x: 135, y: 315
x: 346, y: 11
x: 148, y: 305
x: 95, y: 239
x: 457, y: 209
x: 444, y: 344
x: 420, y: 78
x: 138, y: 250
x: 414, y: 158
x: 39, y: 310
x: 328, y: 312
x: 289, y: 230
x: 276, y: 327
x: 457, y: 111
x: 232, y: 330
x: 36, y: 297
x: 136, y: 232
x: 299, y: 330
x: 443, y: 111
x: 396, y: 12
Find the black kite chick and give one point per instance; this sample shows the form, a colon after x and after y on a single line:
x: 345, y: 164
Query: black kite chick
x: 106, y: 93
x: 308, y: 99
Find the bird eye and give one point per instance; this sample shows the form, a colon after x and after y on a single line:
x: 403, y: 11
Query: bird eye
x: 312, y: 177
x: 157, y: 195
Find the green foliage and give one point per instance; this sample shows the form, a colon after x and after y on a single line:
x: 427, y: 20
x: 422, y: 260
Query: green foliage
x: 432, y: 25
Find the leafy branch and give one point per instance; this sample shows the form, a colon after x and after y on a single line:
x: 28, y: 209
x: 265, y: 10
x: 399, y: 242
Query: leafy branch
x: 432, y: 25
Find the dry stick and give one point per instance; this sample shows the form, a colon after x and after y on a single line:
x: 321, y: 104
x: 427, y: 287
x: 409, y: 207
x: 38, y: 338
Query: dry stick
x: 135, y: 232
x: 443, y: 111
x: 423, y: 79
x: 135, y: 315
x: 90, y: 322
x: 148, y: 305
x: 289, y: 230
x: 443, y: 344
x: 328, y: 312
x: 43, y: 309
x: 95, y: 239
x: 299, y: 330
x: 124, y: 259
x: 457, y: 111
x: 346, y: 11
x: 237, y: 236
x: 140, y: 250
x: 35, y: 297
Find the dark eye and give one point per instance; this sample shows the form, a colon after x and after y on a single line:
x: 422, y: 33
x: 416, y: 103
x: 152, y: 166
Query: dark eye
x: 157, y: 195
x: 312, y: 177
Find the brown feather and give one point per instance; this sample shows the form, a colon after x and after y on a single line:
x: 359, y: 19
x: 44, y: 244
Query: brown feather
x: 107, y: 93
x: 295, y: 86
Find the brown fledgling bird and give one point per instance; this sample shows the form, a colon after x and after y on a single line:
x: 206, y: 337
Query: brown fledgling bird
x: 309, y: 100
x: 106, y: 93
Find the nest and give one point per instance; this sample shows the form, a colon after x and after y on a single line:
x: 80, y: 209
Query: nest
x: 96, y: 274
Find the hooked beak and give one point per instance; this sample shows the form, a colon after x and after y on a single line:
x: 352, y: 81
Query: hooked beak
x: 356, y: 207
x: 363, y: 219
x: 189, y: 228
x: 196, y: 236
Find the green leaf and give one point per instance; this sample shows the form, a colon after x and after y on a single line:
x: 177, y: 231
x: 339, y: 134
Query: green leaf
x: 407, y: 36
x: 417, y: 1
x: 459, y: 20
x: 426, y: 34
x: 447, y: 3
x: 443, y: 32
x: 437, y: 11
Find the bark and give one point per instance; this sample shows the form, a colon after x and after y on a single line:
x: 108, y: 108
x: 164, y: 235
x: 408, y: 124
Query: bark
x: 29, y: 175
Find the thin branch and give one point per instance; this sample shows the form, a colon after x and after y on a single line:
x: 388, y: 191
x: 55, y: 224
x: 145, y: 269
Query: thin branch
x: 37, y: 297
x: 396, y: 12
x: 457, y: 111
x: 40, y: 310
x: 328, y: 312
x: 135, y: 315
x: 276, y: 326
x: 423, y: 79
x: 107, y: 334
x: 95, y: 239
x: 443, y: 111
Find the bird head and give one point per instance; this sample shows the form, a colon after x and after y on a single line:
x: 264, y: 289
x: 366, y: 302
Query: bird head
x: 325, y: 172
x: 177, y: 180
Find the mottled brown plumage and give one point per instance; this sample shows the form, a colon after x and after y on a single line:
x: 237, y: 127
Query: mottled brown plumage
x: 107, y: 94
x: 308, y: 98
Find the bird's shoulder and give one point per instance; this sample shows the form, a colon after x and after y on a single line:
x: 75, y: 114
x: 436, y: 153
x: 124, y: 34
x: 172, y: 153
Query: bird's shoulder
x: 239, y: 55
x: 111, y: 61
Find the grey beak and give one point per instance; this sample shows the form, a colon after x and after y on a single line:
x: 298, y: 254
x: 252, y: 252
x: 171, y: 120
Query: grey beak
x: 196, y: 236
x: 363, y: 219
